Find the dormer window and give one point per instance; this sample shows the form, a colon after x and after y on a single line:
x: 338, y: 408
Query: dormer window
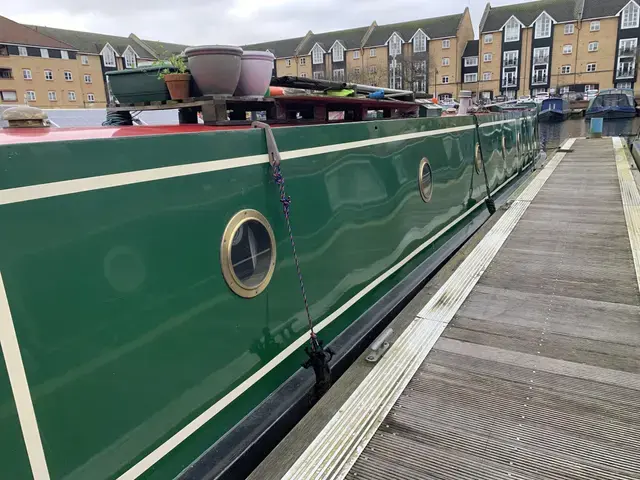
x: 338, y: 52
x: 129, y: 58
x: 631, y: 16
x: 108, y: 56
x: 317, y: 54
x: 420, y: 42
x: 512, y: 30
x: 543, y: 26
x: 395, y: 45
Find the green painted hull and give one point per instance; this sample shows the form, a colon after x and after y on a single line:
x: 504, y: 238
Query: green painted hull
x: 121, y: 356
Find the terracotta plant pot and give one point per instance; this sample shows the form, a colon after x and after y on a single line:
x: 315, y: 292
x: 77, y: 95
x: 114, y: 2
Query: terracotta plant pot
x: 178, y: 85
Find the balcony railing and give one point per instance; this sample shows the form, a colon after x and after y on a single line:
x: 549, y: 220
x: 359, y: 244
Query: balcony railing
x: 509, y: 82
x: 626, y: 71
x: 540, y: 59
x: 627, y: 51
x: 510, y: 62
x: 538, y: 79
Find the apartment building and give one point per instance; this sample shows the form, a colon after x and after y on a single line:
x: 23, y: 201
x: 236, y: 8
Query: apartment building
x: 421, y: 55
x: 557, y: 45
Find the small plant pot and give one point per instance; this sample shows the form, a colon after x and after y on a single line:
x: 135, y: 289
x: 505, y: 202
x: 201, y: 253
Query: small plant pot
x: 178, y: 85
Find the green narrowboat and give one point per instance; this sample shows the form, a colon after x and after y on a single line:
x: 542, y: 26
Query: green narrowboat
x: 152, y: 317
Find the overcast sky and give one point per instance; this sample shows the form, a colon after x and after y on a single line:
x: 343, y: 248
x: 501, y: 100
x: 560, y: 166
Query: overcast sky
x: 238, y: 22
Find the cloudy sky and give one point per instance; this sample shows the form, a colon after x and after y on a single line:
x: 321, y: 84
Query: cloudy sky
x: 228, y: 21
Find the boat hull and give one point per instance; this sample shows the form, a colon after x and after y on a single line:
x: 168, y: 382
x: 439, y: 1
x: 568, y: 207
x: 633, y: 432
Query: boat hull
x: 138, y: 355
x: 551, y: 116
x: 611, y: 113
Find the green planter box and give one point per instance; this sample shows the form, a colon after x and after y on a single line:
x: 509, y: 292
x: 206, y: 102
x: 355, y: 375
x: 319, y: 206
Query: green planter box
x: 138, y: 84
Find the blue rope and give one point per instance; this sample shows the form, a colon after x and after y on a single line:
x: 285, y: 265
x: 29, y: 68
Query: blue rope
x: 285, y: 200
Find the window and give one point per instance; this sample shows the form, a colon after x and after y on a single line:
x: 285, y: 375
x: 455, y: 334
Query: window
x: 591, y: 67
x: 44, y: 53
x: 372, y: 52
x: 4, y: 51
x: 395, y: 74
x: 373, y: 69
x: 303, y: 75
x: 317, y: 55
x: 512, y: 30
x: 52, y: 96
x: 129, y: 58
x: 470, y: 77
x: 420, y: 42
x: 48, y: 75
x: 90, y: 97
x: 72, y: 96
x: 87, y: 78
x: 631, y: 16
x: 356, y: 54
x: 567, y: 49
x: 9, y: 96
x: 488, y: 38
x: 565, y: 69
x: 471, y: 61
x: 593, y: 46
x: 565, y: 90
x: 318, y: 75
x: 338, y: 74
x: 627, y: 47
x: 445, y: 97
x: 108, y: 57
x: 64, y: 54
x: 543, y: 26
x: 486, y: 76
x: 488, y: 57
x: 537, y: 91
x: 445, y: 79
x: 623, y: 85
x: 541, y: 55
x: 594, y: 26
x: 31, y: 95
x: 84, y: 59
x: 568, y: 29
x: 510, y: 59
x: 445, y: 61
x: 302, y: 61
x: 22, y: 51
x: 26, y: 74
x: 395, y: 45
x: 446, y: 43
x: 287, y: 62
x: 356, y: 71
x: 68, y: 76
x: 338, y: 53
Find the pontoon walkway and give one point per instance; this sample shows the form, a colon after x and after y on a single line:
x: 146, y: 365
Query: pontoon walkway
x: 525, y: 363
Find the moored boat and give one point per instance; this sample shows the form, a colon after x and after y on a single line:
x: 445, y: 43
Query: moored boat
x: 148, y: 275
x: 612, y: 103
x: 554, y: 109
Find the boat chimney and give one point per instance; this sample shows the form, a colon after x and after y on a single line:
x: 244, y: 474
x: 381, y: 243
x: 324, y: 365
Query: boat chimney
x: 25, y: 116
x: 465, y: 102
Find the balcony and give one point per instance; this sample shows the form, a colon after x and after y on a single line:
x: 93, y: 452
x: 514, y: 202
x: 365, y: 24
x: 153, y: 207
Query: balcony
x: 509, y: 82
x: 541, y: 59
x: 627, y: 51
x: 510, y: 62
x: 539, y: 79
x: 626, y: 70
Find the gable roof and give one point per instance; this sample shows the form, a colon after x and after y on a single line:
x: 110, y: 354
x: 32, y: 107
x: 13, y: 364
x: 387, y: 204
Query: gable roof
x: 601, y: 8
x: 527, y: 13
x: 280, y: 48
x: 87, y: 42
x: 160, y: 49
x: 350, y: 38
x: 15, y: 33
x: 472, y: 49
x: 437, y: 27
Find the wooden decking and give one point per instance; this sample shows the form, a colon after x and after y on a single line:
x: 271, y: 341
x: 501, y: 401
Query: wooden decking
x: 535, y: 373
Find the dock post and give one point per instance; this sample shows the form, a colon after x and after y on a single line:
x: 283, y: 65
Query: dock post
x: 595, y: 131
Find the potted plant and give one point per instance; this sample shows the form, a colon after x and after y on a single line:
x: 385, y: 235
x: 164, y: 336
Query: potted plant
x: 176, y: 77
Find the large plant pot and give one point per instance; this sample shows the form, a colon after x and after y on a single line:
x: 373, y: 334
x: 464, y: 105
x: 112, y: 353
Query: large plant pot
x: 136, y: 85
x: 178, y: 85
x: 215, y: 68
x: 255, y: 76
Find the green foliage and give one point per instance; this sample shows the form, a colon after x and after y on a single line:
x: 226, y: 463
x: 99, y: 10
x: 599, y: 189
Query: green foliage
x: 177, y: 62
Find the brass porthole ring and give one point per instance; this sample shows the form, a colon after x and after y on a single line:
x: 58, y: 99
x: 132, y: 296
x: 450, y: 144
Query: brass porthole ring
x: 478, y: 159
x: 248, y: 253
x: 425, y: 179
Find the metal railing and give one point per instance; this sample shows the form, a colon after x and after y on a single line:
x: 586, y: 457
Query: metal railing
x: 627, y: 51
x: 509, y: 83
x: 511, y: 62
x: 540, y: 59
x: 626, y: 72
x: 537, y: 79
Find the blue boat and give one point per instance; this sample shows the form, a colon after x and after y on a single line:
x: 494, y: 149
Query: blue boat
x: 613, y: 103
x: 554, y: 110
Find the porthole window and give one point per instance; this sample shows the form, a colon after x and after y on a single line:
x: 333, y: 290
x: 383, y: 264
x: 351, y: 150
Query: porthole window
x: 425, y: 180
x: 248, y: 253
x: 478, y: 159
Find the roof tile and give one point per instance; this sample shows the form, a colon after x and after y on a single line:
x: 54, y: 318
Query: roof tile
x: 560, y: 11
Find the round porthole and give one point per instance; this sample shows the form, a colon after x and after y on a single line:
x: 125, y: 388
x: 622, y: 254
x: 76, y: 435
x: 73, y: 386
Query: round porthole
x: 478, y: 159
x: 248, y: 253
x: 425, y: 180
